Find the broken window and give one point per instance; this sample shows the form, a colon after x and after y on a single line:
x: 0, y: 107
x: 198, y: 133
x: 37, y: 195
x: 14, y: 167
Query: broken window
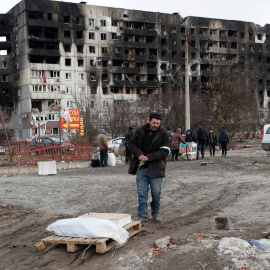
x: 242, y: 35
x: 193, y: 55
x: 92, y: 49
x: 250, y: 36
x: 163, y: 53
x: 4, y: 64
x: 259, y: 59
x: 91, y: 22
x: 5, y: 78
x: 68, y: 61
x: 259, y: 48
x: 94, y: 90
x: 232, y: 33
x: 163, y: 66
x: 91, y: 35
x: 243, y: 47
x: 152, y: 52
x: 173, y: 42
x: 194, y: 67
x: 104, y: 77
x: 68, y: 76
x: 163, y: 41
x: 164, y: 79
x: 80, y: 62
x: 92, y: 63
x: 251, y: 59
x: 252, y: 48
x: 222, y: 33
x: 114, y: 36
x: 103, y: 49
x: 234, y: 45
x: 92, y: 77
x: 66, y: 19
x: 103, y: 36
x: 114, y: 22
x: 67, y: 48
x: 183, y: 30
x: 174, y: 54
x: 80, y: 34
x: 104, y: 63
x: 5, y: 92
x: 67, y: 33
x: 80, y: 48
x: 174, y: 67
x: 259, y: 36
x: 194, y: 79
x: 102, y: 22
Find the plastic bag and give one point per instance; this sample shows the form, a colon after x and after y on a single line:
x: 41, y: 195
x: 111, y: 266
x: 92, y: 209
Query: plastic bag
x: 236, y: 247
x: 111, y: 160
x: 89, y: 228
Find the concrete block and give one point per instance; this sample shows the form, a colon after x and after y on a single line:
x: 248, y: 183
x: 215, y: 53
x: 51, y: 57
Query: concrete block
x: 47, y: 167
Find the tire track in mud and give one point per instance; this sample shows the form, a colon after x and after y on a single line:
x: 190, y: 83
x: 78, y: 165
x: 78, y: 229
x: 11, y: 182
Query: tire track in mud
x: 227, y: 196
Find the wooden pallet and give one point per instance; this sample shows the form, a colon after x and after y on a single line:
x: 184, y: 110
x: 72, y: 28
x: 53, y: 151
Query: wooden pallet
x: 102, y: 244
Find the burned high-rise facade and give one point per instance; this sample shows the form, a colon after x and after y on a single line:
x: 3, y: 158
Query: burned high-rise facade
x: 58, y: 54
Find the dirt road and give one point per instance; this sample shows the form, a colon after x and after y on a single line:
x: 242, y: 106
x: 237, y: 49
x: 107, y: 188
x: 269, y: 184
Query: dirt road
x: 236, y: 186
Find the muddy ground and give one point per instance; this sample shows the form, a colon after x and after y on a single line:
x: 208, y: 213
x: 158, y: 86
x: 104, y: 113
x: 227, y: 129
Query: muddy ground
x: 236, y: 186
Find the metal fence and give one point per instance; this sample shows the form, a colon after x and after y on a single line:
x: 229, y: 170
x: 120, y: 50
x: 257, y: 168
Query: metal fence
x: 77, y: 152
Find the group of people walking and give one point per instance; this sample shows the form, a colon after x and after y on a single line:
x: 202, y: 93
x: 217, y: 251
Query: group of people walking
x: 202, y: 139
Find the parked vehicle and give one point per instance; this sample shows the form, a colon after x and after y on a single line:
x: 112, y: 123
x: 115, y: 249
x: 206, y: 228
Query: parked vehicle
x: 50, y: 141
x: 266, y: 137
x: 117, y: 145
x: 3, y: 150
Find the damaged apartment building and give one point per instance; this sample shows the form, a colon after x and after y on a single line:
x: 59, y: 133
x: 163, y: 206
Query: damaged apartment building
x: 62, y: 55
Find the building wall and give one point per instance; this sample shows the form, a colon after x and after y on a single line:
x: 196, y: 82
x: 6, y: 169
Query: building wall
x: 68, y: 54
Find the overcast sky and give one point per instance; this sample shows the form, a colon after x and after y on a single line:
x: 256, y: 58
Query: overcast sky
x: 257, y: 11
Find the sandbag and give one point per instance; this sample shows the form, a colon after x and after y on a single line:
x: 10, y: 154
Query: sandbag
x: 89, y: 228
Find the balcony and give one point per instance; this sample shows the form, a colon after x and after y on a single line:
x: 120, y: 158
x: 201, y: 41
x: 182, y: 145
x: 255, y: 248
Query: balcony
x: 42, y: 52
x: 140, y: 32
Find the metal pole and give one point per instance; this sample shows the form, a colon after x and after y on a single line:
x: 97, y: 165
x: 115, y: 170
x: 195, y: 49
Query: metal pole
x: 187, y: 101
x: 10, y: 153
x: 60, y: 131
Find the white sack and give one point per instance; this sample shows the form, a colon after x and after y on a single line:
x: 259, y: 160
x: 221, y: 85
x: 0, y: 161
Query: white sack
x: 88, y: 228
x: 111, y: 160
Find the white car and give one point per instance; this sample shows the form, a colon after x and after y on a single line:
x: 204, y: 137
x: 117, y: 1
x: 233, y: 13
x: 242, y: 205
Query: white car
x: 117, y: 145
x: 266, y: 137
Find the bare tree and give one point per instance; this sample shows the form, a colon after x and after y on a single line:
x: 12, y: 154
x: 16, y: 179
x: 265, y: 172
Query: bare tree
x: 231, y: 99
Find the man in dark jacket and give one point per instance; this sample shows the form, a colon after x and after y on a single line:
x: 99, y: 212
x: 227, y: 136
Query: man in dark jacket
x: 223, y: 140
x: 202, y: 142
x: 128, y: 136
x: 149, y: 147
x: 212, y: 138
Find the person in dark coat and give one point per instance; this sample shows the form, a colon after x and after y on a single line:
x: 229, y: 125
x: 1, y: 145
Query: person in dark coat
x: 149, y: 147
x: 223, y: 140
x: 128, y: 136
x: 212, y: 138
x: 202, y: 142
x: 189, y: 136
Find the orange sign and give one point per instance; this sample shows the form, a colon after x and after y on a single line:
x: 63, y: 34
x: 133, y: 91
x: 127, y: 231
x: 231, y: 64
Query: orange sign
x: 75, y: 117
x: 81, y: 127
